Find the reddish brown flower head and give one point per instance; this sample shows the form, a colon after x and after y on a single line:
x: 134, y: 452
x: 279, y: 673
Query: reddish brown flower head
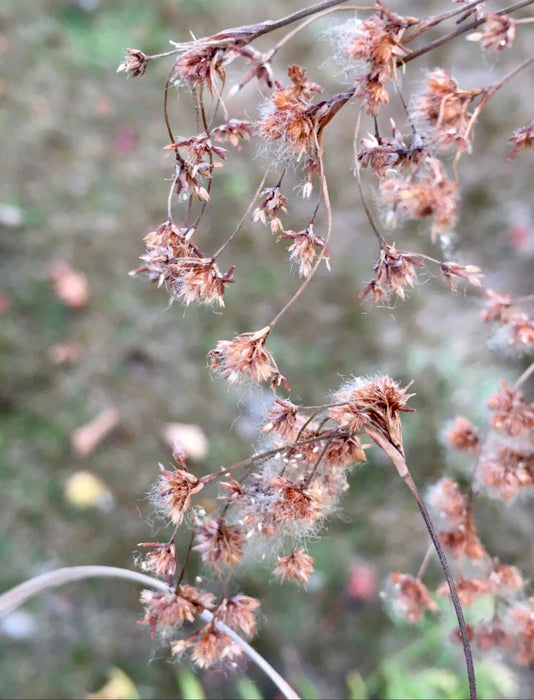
x: 293, y: 502
x: 234, y: 131
x: 220, y: 544
x: 344, y: 450
x: 498, y: 307
x: 411, y: 597
x: 447, y: 499
x: 506, y: 579
x: 303, y: 249
x: 491, y: 634
x: 175, y: 491
x: 468, y: 589
x: 522, y: 138
x: 395, y: 270
x: 471, y: 273
x: 497, y: 34
x: 213, y: 647
x: 288, y: 117
x: 378, y: 402
x: 298, y: 566
x: 174, y: 608
x: 519, y: 623
x: 511, y: 413
x: 463, y: 542
x: 462, y: 435
x: 283, y: 418
x: 377, y: 42
x: 521, y: 329
x: 245, y: 357
x: 161, y: 559
x: 435, y: 196
x: 444, y: 107
x: 135, y: 63
x: 506, y: 474
x: 238, y: 612
x: 197, y: 280
x: 201, y: 66
x: 274, y: 203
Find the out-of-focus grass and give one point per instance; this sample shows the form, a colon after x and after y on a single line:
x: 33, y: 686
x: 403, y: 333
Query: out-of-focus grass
x: 83, y: 154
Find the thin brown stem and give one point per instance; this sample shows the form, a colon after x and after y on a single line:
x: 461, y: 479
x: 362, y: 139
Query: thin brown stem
x: 243, y: 218
x: 458, y: 32
x: 366, y: 208
x: 450, y: 581
x: 328, y: 207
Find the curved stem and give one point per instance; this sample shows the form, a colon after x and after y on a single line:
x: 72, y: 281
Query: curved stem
x: 523, y: 378
x: 243, y: 218
x: 397, y: 457
x: 450, y: 581
x: 17, y: 596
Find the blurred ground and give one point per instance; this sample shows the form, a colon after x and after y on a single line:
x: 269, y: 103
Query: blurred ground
x: 83, y: 181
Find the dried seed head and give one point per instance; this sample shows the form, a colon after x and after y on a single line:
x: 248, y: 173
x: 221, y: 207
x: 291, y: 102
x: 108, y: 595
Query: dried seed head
x: 522, y: 138
x: 135, y: 63
x: 394, y: 271
x: 238, y: 612
x: 511, y: 413
x: 303, y: 249
x: 506, y: 474
x: 298, y: 566
x: 161, y: 559
x: 213, y: 647
x: 498, y: 32
x: 220, y: 544
x: 174, y: 608
x: 175, y: 489
x: 287, y: 117
x: 435, y: 196
x: 411, y: 597
x: 246, y: 358
x: 462, y: 435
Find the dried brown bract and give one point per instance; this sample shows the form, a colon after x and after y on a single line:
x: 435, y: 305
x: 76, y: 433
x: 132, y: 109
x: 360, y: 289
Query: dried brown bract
x: 235, y: 131
x: 377, y: 402
x: 283, y: 418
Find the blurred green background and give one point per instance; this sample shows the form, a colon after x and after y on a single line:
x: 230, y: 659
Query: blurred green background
x: 83, y: 180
